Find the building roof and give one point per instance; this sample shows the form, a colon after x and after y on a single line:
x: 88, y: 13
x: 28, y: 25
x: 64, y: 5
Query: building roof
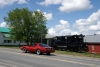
x: 6, y: 35
x: 92, y: 38
x: 4, y: 29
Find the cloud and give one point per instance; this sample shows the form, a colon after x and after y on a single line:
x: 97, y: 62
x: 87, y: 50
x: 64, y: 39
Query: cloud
x: 4, y: 3
x: 95, y: 27
x: 69, y: 5
x: 22, y: 1
x: 63, y: 25
x: 3, y: 24
x: 61, y: 29
x: 48, y: 15
x: 74, y: 5
x: 89, y: 25
x: 51, y: 33
x: 50, y: 2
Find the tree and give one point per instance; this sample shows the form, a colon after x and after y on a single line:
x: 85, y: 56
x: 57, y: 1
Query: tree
x: 26, y: 25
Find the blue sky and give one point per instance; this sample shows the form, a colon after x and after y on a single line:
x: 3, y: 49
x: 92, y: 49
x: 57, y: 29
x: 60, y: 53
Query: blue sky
x: 64, y: 16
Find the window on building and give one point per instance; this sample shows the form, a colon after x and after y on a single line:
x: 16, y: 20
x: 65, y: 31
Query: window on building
x: 9, y: 41
x: 5, y: 41
x: 92, y: 46
x: 14, y: 41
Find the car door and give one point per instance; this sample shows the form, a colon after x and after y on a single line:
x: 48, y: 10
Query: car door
x: 33, y: 48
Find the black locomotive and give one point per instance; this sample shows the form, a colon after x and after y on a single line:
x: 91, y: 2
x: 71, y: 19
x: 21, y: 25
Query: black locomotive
x: 70, y: 42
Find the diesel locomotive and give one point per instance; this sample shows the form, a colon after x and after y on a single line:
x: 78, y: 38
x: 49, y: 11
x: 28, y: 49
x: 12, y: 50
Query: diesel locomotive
x: 70, y: 42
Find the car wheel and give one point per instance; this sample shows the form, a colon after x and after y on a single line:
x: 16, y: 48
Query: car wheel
x: 48, y: 53
x: 38, y: 52
x: 24, y: 50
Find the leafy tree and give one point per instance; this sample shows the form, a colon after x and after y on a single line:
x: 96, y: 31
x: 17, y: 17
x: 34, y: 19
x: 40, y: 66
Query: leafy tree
x: 26, y: 25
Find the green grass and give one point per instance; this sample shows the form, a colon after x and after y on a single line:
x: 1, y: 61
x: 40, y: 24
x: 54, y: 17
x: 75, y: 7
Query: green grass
x: 86, y: 54
x: 14, y: 47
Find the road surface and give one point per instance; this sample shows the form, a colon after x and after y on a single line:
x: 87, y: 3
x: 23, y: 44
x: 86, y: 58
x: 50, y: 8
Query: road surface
x: 16, y: 58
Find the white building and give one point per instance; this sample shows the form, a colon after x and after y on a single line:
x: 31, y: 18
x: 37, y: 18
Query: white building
x: 4, y: 37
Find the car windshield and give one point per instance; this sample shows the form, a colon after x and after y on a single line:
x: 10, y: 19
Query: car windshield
x: 44, y: 45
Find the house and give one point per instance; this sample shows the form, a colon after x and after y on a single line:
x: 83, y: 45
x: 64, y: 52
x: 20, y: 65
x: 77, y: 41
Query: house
x: 4, y: 37
x: 93, y: 43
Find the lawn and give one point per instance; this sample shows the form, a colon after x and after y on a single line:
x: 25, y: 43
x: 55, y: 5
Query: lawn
x: 86, y: 54
x: 14, y: 47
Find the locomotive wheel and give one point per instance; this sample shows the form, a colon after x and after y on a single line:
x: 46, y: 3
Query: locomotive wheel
x: 79, y: 50
x: 86, y: 49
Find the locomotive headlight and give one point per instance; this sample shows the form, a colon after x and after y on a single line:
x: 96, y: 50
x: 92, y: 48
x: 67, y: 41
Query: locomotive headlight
x: 65, y: 37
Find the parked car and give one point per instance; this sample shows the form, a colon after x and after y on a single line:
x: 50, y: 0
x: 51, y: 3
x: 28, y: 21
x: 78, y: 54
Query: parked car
x: 38, y: 48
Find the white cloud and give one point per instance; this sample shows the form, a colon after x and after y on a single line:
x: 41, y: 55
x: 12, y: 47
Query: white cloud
x: 95, y: 27
x: 74, y: 5
x: 98, y: 32
x: 22, y: 1
x: 48, y: 15
x: 61, y: 29
x: 4, y: 3
x: 3, y: 24
x: 89, y: 25
x: 69, y: 5
x: 50, y: 2
x: 62, y: 26
x: 38, y: 9
x: 51, y: 33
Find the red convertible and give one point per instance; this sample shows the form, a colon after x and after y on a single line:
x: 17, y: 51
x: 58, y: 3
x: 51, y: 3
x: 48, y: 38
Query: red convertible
x: 38, y: 48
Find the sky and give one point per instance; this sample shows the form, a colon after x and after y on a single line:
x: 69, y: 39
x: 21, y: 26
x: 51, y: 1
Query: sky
x: 64, y: 17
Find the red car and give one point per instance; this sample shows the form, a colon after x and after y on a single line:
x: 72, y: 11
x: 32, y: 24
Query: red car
x: 38, y: 48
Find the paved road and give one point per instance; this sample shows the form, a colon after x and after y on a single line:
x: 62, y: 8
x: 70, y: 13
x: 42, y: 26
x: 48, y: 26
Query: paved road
x: 16, y: 58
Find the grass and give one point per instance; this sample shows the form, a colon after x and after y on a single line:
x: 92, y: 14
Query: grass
x: 86, y: 54
x: 14, y: 47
